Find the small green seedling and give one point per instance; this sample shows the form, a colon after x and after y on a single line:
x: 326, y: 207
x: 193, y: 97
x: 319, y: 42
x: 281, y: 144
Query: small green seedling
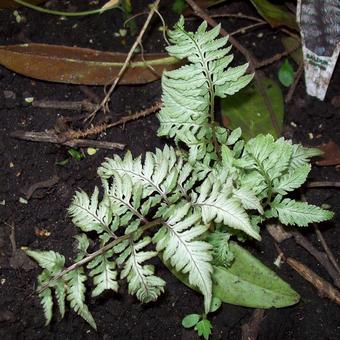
x: 76, y: 154
x: 199, y: 322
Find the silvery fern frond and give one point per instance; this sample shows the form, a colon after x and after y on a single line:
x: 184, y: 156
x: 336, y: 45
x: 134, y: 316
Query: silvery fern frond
x: 141, y: 278
x: 157, y: 175
x: 218, y: 205
x: 189, y: 92
x: 88, y: 214
x: 177, y: 239
x: 291, y: 212
x: 76, y: 294
x: 104, y: 273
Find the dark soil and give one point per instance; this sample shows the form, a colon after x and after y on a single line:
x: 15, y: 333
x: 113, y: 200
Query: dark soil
x: 25, y: 163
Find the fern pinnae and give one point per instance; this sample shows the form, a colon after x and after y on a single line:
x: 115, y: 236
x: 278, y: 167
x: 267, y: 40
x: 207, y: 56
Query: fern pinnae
x: 103, y: 271
x: 87, y: 214
x: 141, y: 278
x: 76, y: 294
x: 177, y: 241
x: 218, y: 207
x: 47, y: 304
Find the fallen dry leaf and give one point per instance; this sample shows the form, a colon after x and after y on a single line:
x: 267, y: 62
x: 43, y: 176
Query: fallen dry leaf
x: 83, y: 66
x: 331, y: 154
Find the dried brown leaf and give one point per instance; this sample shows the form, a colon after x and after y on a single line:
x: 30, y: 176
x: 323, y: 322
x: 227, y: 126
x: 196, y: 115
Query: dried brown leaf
x: 331, y: 154
x: 83, y: 66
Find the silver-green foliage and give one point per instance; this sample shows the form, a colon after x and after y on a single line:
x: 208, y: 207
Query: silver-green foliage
x: 220, y: 188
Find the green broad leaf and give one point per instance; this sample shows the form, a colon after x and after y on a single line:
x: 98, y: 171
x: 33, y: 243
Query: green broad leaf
x: 291, y: 212
x: 247, y: 282
x: 275, y: 15
x: 215, y: 304
x: 247, y: 109
x: 204, y: 328
x: 293, y: 44
x: 286, y: 74
x: 190, y: 320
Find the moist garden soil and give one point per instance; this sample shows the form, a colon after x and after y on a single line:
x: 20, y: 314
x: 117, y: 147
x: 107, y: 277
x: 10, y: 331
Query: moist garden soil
x: 120, y: 316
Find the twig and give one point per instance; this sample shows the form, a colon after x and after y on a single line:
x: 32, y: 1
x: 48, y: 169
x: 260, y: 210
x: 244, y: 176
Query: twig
x: 275, y: 58
x: 65, y: 105
x: 326, y: 248
x: 51, y: 137
x: 251, y: 329
x: 324, y: 288
x: 237, y: 16
x: 248, y: 55
x: 328, y: 251
x: 100, y: 251
x: 323, y: 184
x: 295, y: 83
x: 247, y: 28
x: 320, y: 256
x: 103, y: 127
x: 42, y: 184
x: 137, y: 42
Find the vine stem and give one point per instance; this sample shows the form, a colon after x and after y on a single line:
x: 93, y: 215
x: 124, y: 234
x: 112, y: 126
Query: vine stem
x: 100, y: 251
x: 62, y: 13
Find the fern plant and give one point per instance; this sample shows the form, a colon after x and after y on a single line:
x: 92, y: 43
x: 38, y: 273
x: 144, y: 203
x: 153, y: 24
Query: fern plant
x: 182, y: 204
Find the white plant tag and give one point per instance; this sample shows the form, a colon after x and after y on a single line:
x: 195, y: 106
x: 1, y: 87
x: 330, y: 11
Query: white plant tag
x: 319, y: 22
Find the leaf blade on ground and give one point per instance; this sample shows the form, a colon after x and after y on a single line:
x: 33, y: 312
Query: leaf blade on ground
x: 84, y: 66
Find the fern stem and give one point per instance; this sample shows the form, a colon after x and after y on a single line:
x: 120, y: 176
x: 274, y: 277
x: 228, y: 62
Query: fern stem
x: 100, y: 251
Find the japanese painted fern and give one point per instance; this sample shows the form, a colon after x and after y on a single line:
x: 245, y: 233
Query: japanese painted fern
x: 181, y: 205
